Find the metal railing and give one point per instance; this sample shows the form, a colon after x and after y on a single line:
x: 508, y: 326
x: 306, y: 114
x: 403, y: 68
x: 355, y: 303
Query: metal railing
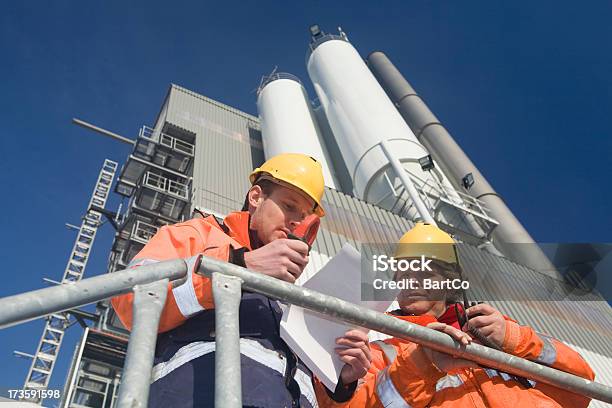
x: 431, y: 194
x: 432, y: 191
x: 166, y: 140
x: 150, y: 282
x: 322, y: 39
x: 142, y: 232
x: 166, y: 185
x: 273, y: 76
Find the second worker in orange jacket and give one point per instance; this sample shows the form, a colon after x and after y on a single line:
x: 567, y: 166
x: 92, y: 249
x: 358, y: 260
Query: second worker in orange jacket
x: 404, y: 374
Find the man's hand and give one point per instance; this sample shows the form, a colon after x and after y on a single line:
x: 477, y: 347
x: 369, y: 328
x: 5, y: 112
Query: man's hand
x: 489, y: 322
x: 283, y: 259
x: 355, y: 353
x: 445, y: 362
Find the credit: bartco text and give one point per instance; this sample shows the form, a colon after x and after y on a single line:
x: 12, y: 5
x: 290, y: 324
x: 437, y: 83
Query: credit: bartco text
x: 427, y: 284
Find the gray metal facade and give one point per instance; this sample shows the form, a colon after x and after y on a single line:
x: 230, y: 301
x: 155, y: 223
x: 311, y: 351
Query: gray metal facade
x: 228, y: 147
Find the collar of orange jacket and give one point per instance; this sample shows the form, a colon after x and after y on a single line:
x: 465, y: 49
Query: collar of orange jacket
x: 236, y: 226
x: 422, y: 320
x: 449, y: 317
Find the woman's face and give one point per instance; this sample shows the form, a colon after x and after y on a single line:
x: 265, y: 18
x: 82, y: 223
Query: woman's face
x: 421, y: 301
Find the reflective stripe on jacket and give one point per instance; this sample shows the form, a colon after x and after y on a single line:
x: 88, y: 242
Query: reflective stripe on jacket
x: 411, y: 380
x: 183, y: 372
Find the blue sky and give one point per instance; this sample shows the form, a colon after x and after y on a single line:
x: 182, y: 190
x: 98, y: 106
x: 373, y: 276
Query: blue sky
x: 524, y: 87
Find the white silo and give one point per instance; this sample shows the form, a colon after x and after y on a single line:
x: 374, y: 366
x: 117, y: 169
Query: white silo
x: 363, y: 119
x: 288, y: 124
x: 387, y: 163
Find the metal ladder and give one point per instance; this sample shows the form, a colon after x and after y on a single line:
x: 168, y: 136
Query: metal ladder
x: 47, y: 352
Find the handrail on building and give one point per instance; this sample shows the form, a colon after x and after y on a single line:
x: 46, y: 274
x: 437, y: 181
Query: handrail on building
x: 150, y: 282
x: 315, y: 42
x: 273, y: 76
x: 164, y: 139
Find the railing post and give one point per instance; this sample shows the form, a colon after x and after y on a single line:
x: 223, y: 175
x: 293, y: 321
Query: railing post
x: 149, y: 301
x: 227, y: 291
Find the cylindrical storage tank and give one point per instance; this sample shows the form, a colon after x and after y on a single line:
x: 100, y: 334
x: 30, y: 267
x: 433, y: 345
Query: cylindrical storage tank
x: 288, y: 124
x: 457, y: 164
x: 360, y: 115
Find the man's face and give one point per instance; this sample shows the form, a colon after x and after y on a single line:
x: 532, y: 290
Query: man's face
x: 277, y: 214
x: 423, y: 301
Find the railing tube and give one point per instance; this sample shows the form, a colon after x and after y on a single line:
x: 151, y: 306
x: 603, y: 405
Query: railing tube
x: 360, y: 316
x: 149, y: 301
x: 228, y: 385
x: 38, y: 303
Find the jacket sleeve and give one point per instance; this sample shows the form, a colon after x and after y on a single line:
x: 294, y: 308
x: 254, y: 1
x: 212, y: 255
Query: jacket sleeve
x: 409, y: 381
x: 525, y: 342
x: 364, y: 396
x: 186, y: 297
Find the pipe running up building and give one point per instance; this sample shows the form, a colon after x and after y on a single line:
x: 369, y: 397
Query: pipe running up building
x: 457, y: 165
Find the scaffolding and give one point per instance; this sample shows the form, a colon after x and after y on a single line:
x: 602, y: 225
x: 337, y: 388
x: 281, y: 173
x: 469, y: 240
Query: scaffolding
x: 157, y: 180
x: 95, y: 375
x: 159, y: 152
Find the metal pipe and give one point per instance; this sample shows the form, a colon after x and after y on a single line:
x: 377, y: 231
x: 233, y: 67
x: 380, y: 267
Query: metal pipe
x: 148, y: 303
x: 408, y: 184
x: 51, y: 281
x: 38, y: 303
x: 456, y: 165
x: 103, y: 131
x: 360, y: 316
x: 22, y: 354
x: 228, y: 385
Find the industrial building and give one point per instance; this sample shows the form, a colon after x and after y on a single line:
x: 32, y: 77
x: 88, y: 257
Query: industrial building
x: 388, y: 162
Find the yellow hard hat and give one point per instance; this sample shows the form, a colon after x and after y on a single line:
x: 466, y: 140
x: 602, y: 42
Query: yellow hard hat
x: 298, y: 170
x: 428, y: 240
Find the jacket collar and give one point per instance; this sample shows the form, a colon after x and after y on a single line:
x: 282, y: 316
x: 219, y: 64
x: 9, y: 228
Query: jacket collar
x: 237, y: 227
x: 422, y: 320
x: 450, y: 315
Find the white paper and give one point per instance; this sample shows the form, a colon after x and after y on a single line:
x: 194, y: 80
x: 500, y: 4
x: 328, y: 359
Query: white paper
x: 313, y: 337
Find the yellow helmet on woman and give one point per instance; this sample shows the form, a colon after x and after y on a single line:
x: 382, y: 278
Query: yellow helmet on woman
x: 427, y: 240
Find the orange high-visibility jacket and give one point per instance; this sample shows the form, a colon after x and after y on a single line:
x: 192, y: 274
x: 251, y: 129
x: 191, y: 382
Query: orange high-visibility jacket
x: 411, y: 380
x: 188, y: 239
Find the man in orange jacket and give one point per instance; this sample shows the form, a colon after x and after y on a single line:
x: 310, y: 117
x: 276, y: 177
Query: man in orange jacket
x: 405, y: 374
x: 285, y: 190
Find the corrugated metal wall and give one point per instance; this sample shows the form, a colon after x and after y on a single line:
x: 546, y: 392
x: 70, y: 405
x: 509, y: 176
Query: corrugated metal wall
x: 524, y: 293
x: 228, y: 147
